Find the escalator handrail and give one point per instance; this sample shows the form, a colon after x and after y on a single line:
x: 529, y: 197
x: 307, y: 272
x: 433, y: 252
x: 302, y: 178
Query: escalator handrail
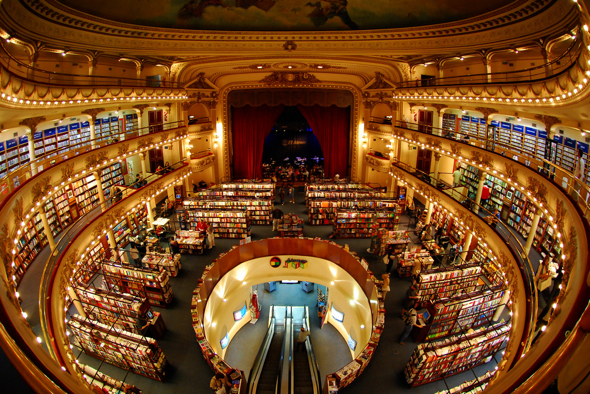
x: 287, y: 338
x: 261, y: 355
x: 313, y: 364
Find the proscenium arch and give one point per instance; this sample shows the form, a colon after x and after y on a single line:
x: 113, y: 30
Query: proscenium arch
x: 354, y: 146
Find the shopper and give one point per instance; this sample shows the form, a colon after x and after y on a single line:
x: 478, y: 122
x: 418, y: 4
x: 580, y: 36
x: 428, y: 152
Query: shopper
x: 218, y: 383
x: 580, y: 166
x: 282, y: 195
x: 438, y: 234
x: 174, y: 246
x: 135, y: 255
x: 291, y: 191
x: 495, y: 218
x: 546, y: 272
x: 410, y: 319
x: 385, y: 285
x: 277, y: 214
x: 411, y: 297
x: 393, y: 260
x: 301, y: 338
x: 210, y: 236
x: 457, y: 177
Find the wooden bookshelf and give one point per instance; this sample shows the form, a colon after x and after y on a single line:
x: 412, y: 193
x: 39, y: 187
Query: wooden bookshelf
x: 117, y: 310
x: 226, y: 223
x: 449, y: 122
x: 104, y: 383
x: 359, y: 224
x: 147, y: 283
x: 290, y: 226
x: 133, y: 352
x: 324, y: 211
x: 441, y: 359
x: 471, y: 386
x: 445, y: 282
x: 408, y: 261
x: 459, y: 313
x: 258, y: 209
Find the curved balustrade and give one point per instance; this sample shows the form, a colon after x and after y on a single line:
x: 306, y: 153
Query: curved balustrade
x: 554, y: 67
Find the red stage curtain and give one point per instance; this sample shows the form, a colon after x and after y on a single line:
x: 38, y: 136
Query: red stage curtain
x: 331, y: 126
x: 250, y: 126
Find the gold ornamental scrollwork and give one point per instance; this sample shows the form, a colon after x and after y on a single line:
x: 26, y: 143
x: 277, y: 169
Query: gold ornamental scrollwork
x: 416, y: 137
x: 67, y: 170
x: 19, y: 210
x: 291, y: 78
x: 511, y: 172
x: 482, y: 159
x: 456, y: 149
x: 537, y: 189
x: 41, y: 188
x: 123, y: 149
x: 144, y: 142
x: 67, y: 273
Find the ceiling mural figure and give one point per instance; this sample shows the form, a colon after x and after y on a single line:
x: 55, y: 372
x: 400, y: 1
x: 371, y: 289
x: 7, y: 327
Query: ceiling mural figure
x: 286, y: 15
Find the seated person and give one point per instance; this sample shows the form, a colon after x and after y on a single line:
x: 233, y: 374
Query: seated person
x: 167, y: 168
x: 203, y: 184
x: 159, y: 170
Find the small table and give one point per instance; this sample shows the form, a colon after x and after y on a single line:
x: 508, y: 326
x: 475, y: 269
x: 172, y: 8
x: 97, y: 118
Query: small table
x: 161, y: 222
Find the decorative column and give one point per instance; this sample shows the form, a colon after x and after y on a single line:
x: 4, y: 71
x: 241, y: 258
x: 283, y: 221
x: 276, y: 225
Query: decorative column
x: 429, y: 206
x: 169, y: 117
x: 138, y: 70
x: 437, y: 157
x: 141, y: 108
x: 487, y: 62
x: 143, y: 171
x: 482, y: 178
x: 101, y: 198
x: 93, y: 112
x: 77, y: 303
x: 111, y: 239
x: 150, y: 213
x: 47, y: 229
x: 531, y: 237
x: 32, y: 123
x: 545, y: 54
x: 466, y: 244
x: 91, y: 65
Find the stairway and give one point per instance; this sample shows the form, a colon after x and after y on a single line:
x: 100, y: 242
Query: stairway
x: 267, y: 382
x: 302, y: 374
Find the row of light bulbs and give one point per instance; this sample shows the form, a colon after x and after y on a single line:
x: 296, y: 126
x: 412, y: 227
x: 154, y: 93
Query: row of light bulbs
x: 49, y: 103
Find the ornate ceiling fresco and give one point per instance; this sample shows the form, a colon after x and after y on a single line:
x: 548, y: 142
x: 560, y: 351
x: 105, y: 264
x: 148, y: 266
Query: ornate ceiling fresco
x: 286, y: 15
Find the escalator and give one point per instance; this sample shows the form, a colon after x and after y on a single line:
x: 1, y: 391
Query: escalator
x: 277, y: 368
x: 306, y: 372
x: 267, y: 382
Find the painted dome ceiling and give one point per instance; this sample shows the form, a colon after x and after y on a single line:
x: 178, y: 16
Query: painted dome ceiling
x: 286, y: 15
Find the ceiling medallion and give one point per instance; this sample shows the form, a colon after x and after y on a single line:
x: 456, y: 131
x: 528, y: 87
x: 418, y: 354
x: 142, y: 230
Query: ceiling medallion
x: 290, y: 66
x: 289, y: 78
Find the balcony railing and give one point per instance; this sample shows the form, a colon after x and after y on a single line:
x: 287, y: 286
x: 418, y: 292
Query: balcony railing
x: 36, y: 75
x: 538, y: 73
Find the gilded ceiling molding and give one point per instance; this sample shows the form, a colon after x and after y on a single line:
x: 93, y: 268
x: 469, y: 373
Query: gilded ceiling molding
x: 486, y: 112
x: 530, y: 15
x: 32, y: 123
x: 439, y: 107
x: 256, y: 66
x: 379, y: 82
x: 549, y: 122
x: 40, y: 189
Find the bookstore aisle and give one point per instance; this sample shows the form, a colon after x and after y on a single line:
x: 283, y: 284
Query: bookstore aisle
x: 188, y: 370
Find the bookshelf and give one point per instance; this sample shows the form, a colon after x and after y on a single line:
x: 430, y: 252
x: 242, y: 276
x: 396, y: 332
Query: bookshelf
x: 469, y: 179
x: 516, y: 137
x: 151, y: 284
x: 13, y: 153
x: 444, y: 282
x: 104, y: 383
x: 121, y: 311
x: 460, y: 313
x: 123, y: 349
x: 85, y: 189
x: 449, y: 122
x: 441, y: 359
x: 504, y: 133
x: 472, y: 386
x: 226, y: 223
x: 111, y: 176
x: 258, y: 209
x: 190, y: 242
x: 94, y: 258
x: 530, y: 142
x: 131, y: 123
x: 498, y: 189
x: 122, y: 232
x: 359, y: 224
x: 167, y: 261
x: 324, y: 211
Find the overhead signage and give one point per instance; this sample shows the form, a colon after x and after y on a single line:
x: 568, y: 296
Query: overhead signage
x: 518, y: 128
x: 276, y: 262
x: 530, y: 131
x: 506, y: 125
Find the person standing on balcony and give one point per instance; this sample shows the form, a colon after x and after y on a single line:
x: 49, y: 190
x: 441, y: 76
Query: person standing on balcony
x: 580, y: 165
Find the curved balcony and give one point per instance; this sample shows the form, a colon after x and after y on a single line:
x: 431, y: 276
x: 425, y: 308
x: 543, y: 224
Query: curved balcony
x: 540, y: 360
x: 27, y: 87
x: 565, y: 84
